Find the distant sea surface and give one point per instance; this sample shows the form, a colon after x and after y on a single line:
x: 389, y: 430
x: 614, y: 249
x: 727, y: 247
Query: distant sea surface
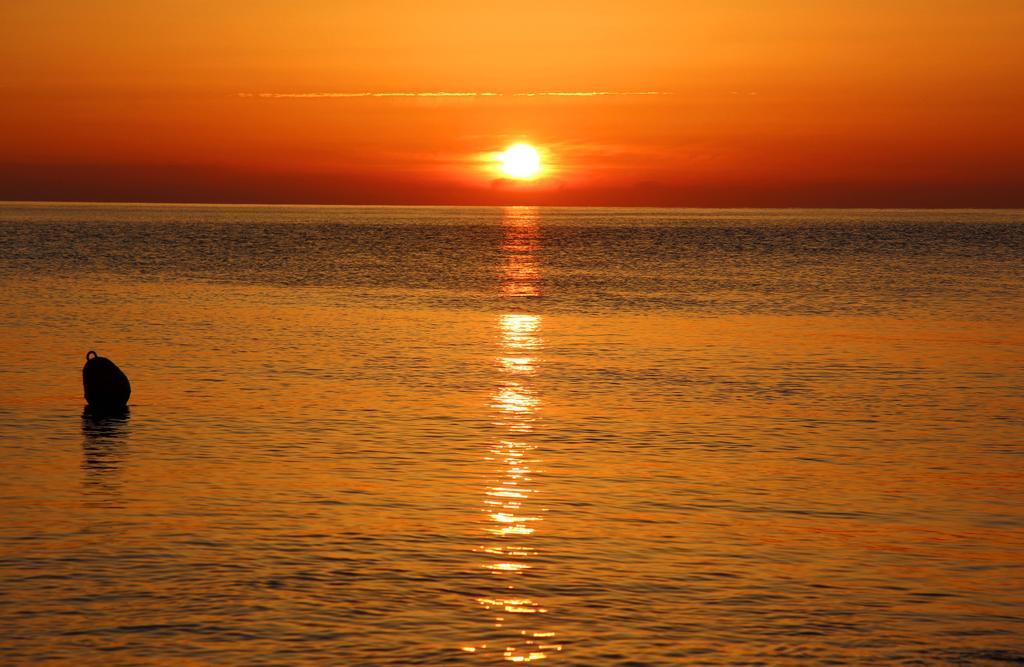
x: 398, y: 436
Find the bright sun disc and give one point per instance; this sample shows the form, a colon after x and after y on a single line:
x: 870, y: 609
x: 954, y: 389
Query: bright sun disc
x: 520, y: 161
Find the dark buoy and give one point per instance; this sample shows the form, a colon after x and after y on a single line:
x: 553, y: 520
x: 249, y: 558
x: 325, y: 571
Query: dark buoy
x: 106, y: 387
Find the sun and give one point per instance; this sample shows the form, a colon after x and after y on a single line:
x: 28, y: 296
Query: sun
x: 520, y: 161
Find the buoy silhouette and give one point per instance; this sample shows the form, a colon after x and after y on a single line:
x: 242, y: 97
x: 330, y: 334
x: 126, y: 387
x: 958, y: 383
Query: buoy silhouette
x: 106, y: 386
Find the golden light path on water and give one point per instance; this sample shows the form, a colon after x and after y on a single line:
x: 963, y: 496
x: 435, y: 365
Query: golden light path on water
x: 511, y: 505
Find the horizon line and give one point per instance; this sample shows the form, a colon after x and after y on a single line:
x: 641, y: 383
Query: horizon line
x: 369, y: 205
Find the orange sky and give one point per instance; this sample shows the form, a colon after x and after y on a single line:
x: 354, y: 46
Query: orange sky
x: 788, y: 103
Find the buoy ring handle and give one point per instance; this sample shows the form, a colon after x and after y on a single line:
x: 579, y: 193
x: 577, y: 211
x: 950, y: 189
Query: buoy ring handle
x: 90, y: 352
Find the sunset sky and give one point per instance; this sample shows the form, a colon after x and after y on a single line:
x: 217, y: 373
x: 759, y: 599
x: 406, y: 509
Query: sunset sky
x: 788, y: 103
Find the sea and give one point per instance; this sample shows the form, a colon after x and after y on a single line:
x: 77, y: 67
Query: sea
x: 479, y: 436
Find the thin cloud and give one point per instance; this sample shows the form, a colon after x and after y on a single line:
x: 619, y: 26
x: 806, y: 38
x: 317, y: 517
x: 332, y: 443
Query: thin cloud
x: 591, y: 93
x: 572, y: 93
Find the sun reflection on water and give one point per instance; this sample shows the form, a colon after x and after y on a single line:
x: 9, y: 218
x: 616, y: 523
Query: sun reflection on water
x: 510, y: 506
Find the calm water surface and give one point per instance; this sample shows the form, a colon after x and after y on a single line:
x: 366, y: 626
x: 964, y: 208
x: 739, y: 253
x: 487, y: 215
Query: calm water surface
x: 395, y: 436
